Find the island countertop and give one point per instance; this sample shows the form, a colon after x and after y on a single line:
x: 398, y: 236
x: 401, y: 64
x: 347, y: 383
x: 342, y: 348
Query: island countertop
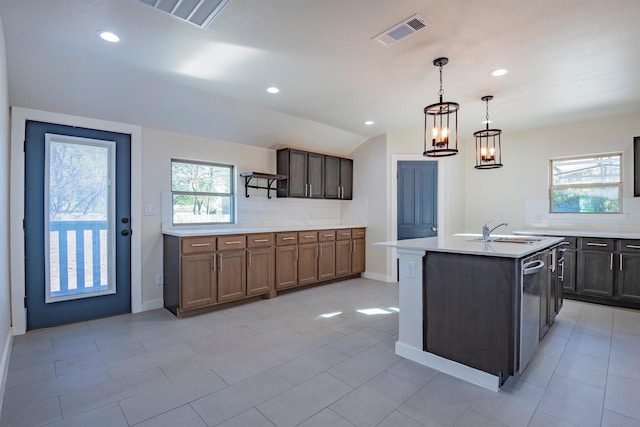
x: 471, y: 244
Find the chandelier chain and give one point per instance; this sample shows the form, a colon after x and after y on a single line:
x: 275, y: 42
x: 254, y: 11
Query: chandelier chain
x: 487, y: 110
x: 441, y: 91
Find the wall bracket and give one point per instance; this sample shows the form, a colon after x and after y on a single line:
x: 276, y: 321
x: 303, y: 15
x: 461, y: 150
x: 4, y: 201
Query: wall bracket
x: 270, y: 178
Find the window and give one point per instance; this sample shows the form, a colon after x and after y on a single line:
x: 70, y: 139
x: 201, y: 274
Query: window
x: 202, y: 193
x: 587, y: 184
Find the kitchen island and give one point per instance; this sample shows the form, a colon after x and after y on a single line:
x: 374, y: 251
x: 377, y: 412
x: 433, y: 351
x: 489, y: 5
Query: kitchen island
x: 462, y: 306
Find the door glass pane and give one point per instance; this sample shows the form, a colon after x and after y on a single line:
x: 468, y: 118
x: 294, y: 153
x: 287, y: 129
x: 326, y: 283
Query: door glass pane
x: 79, y: 199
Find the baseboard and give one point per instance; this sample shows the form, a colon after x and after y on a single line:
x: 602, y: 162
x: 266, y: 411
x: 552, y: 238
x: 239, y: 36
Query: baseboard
x: 4, y: 365
x: 378, y: 277
x: 152, y: 305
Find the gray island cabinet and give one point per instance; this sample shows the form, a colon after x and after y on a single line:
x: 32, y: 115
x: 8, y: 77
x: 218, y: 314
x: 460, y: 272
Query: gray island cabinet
x: 475, y: 309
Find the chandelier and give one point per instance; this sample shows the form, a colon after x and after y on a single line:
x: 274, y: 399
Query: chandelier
x: 438, y: 121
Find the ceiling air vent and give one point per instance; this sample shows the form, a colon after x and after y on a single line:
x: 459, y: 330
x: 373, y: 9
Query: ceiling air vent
x: 196, y: 12
x: 404, y: 29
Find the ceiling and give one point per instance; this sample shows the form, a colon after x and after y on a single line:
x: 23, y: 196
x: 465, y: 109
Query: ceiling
x: 568, y: 60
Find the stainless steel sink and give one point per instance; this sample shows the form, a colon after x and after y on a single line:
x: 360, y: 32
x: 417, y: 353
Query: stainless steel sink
x: 517, y: 239
x: 511, y: 239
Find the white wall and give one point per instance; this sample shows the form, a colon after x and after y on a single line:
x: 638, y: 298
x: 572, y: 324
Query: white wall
x: 518, y: 192
x: 5, y: 304
x: 370, y: 195
x: 159, y: 147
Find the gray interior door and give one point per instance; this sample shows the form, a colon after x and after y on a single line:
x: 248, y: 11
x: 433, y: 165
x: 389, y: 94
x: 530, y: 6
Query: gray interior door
x: 77, y: 224
x: 417, y: 199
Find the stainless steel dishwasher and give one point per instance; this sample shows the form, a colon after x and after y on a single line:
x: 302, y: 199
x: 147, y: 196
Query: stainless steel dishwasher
x: 532, y: 276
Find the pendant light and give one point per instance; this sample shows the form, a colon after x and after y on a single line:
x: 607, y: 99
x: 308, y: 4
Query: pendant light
x: 488, y: 148
x: 438, y: 121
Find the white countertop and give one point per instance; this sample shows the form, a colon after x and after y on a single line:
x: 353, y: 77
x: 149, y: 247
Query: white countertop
x: 579, y: 233
x: 188, y: 231
x: 470, y: 244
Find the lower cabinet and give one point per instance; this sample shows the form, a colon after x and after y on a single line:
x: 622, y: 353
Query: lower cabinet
x: 603, y: 270
x: 350, y: 252
x: 260, y: 264
x: 198, y: 281
x: 629, y: 270
x: 204, y: 271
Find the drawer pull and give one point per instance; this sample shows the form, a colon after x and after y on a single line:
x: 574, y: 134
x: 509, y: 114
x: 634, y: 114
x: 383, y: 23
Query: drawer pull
x: 260, y: 240
x: 360, y: 233
x: 235, y: 242
x: 309, y: 237
x: 345, y: 234
x: 596, y: 244
x: 288, y: 238
x: 197, y: 245
x: 331, y: 235
x: 565, y: 243
x: 633, y: 246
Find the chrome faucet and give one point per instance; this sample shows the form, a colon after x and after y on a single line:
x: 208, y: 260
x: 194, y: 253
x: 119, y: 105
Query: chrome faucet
x: 486, y: 231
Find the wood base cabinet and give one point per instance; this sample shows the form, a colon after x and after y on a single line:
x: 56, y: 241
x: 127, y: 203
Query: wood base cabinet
x: 260, y: 264
x: 607, y: 272
x: 327, y: 255
x: 202, y: 272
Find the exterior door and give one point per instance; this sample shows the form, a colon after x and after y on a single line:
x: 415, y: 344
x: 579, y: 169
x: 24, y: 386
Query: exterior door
x: 77, y: 224
x: 417, y: 199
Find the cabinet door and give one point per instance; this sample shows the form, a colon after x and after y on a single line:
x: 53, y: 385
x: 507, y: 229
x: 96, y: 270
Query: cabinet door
x: 315, y: 175
x: 629, y: 276
x: 357, y: 256
x: 307, y: 263
x: 346, y: 179
x: 568, y: 273
x: 327, y: 261
x: 198, y: 281
x: 286, y: 266
x: 232, y: 278
x: 595, y: 273
x: 331, y: 177
x: 260, y: 271
x: 343, y: 257
x: 297, y: 177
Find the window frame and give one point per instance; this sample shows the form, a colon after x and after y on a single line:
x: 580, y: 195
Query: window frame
x: 231, y: 194
x: 597, y: 185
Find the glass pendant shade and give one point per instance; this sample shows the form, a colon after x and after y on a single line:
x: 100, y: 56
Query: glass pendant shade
x: 488, y: 144
x: 441, y: 124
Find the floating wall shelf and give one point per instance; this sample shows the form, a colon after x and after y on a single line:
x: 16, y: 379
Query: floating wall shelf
x: 269, y: 177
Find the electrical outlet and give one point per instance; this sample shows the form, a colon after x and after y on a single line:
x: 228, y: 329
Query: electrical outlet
x: 159, y: 279
x: 150, y: 210
x: 411, y: 269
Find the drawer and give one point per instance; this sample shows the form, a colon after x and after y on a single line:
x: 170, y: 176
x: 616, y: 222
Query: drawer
x: 307, y: 236
x: 260, y: 240
x: 194, y: 245
x: 357, y: 233
x: 343, y: 234
x: 283, y: 239
x: 226, y: 243
x: 569, y: 243
x: 630, y: 245
x: 326, y: 235
x: 596, y: 244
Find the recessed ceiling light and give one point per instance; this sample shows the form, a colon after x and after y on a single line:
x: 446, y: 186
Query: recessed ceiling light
x: 499, y: 72
x: 273, y: 89
x: 109, y: 36
x: 369, y: 122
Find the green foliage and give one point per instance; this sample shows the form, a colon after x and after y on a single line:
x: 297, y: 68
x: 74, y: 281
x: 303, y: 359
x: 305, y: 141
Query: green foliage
x: 78, y: 180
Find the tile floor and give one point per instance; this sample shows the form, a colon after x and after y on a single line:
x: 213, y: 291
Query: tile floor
x: 278, y: 362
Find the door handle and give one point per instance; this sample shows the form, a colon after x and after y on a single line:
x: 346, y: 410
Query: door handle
x: 125, y: 220
x: 125, y: 232
x: 434, y: 228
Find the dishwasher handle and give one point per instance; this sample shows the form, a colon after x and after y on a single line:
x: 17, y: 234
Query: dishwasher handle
x: 532, y: 267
